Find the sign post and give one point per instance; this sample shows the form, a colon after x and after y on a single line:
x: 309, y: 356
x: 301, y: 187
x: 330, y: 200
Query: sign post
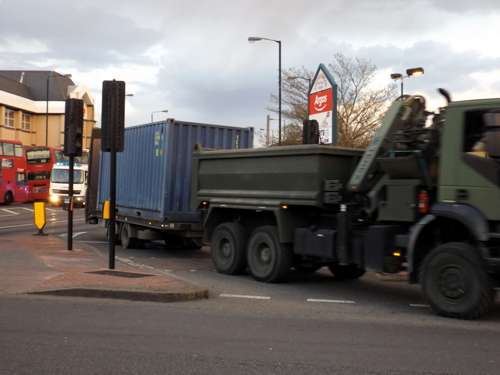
x: 323, y: 105
x: 73, y: 143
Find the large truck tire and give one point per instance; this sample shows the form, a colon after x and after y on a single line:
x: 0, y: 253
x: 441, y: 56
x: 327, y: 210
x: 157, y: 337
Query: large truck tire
x: 228, y: 249
x: 128, y: 242
x: 455, y: 282
x: 117, y: 234
x: 346, y: 272
x: 269, y: 260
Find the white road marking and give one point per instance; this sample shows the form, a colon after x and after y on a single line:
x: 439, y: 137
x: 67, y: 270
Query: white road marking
x: 418, y: 305
x: 17, y: 226
x: 328, y: 300
x: 10, y: 212
x: 243, y: 296
x: 47, y: 222
x: 131, y: 263
x: 74, y: 234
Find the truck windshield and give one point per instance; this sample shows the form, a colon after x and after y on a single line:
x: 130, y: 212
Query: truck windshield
x: 62, y: 176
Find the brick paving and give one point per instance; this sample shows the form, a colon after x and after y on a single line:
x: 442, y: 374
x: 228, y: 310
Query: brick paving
x: 42, y: 265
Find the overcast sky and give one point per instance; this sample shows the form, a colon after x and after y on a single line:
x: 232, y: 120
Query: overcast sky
x: 192, y: 58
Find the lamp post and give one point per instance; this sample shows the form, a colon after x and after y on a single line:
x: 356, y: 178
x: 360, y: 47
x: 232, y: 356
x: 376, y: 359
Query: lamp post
x: 164, y: 111
x: 47, y: 105
x: 409, y: 73
x: 253, y: 39
x: 268, y: 125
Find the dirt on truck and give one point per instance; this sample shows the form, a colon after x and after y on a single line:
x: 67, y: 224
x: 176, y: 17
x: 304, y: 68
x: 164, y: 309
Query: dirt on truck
x: 421, y: 199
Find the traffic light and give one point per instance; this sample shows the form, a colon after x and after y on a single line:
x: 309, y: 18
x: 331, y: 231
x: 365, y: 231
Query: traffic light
x: 310, y: 132
x: 113, y: 115
x: 73, y: 127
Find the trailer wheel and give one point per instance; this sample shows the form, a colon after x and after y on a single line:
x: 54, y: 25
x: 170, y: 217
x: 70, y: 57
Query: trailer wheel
x: 8, y: 199
x: 269, y: 260
x: 346, y: 272
x: 455, y: 282
x: 228, y: 249
x: 117, y: 235
x: 127, y: 241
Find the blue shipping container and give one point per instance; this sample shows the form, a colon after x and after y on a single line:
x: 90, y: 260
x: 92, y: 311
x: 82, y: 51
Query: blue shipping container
x: 153, y: 178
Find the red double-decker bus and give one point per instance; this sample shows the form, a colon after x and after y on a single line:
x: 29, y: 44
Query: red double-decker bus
x: 40, y: 161
x: 13, y: 183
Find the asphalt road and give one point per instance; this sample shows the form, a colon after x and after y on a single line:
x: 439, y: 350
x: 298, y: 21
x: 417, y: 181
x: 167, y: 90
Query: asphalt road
x: 319, y: 288
x: 221, y: 336
x: 313, y: 324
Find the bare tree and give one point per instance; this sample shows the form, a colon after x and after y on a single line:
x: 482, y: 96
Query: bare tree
x: 291, y: 134
x: 361, y: 105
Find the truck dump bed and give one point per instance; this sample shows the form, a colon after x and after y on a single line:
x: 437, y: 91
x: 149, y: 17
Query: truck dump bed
x: 273, y: 176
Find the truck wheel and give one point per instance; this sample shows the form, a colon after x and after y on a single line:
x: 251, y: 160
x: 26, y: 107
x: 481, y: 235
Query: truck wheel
x: 228, y: 249
x: 269, y: 260
x: 8, y: 199
x: 455, y: 282
x: 117, y: 234
x: 127, y: 241
x: 346, y: 272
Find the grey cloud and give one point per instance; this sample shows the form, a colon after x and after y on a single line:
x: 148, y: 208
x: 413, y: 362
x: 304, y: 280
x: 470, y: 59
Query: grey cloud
x: 446, y: 67
x: 88, y: 36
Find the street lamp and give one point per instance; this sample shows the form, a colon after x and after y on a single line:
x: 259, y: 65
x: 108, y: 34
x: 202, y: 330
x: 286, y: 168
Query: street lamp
x: 47, y: 105
x: 253, y: 39
x: 164, y: 111
x: 409, y: 72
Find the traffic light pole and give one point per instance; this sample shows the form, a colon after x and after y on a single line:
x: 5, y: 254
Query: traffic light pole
x: 73, y: 143
x: 70, y: 196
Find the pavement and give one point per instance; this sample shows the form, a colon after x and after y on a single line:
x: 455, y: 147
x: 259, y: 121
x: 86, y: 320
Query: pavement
x: 43, y: 265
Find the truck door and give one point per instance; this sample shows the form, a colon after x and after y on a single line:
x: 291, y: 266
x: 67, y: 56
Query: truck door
x: 478, y: 182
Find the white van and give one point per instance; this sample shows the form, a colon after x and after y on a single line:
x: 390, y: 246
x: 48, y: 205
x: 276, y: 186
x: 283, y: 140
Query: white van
x: 59, y: 183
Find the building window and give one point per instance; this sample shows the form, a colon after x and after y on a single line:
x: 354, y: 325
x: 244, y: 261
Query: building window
x: 9, y: 118
x: 26, y: 124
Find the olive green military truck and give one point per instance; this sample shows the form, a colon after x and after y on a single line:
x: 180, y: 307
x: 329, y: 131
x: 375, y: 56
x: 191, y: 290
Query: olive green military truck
x: 424, y: 198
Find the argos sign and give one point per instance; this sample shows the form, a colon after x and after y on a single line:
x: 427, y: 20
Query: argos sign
x: 320, y: 102
x: 323, y: 105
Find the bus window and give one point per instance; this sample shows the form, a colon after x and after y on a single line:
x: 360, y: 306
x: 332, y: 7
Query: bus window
x: 8, y: 149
